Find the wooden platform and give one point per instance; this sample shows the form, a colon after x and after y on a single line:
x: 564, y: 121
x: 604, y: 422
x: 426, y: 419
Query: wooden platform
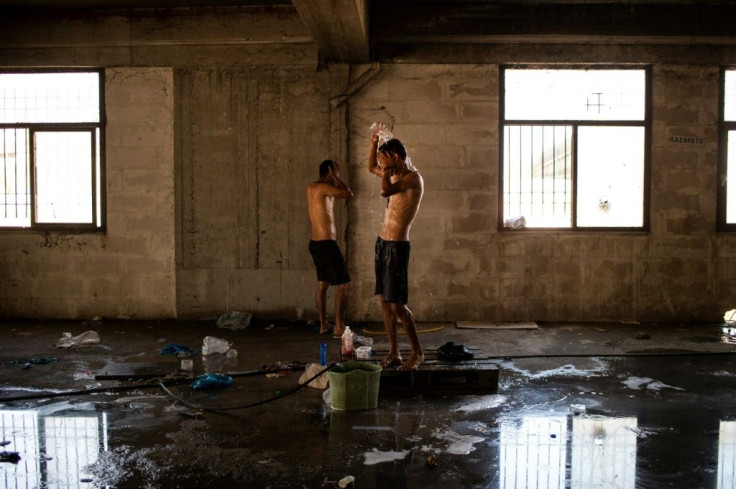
x: 135, y: 371
x: 476, y: 375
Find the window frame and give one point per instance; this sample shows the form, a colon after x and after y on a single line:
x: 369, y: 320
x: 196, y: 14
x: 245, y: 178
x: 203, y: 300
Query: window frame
x: 722, y: 177
x: 97, y: 132
x: 575, y: 124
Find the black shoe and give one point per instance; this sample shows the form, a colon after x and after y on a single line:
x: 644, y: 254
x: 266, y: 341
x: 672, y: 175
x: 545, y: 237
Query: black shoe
x: 454, y: 353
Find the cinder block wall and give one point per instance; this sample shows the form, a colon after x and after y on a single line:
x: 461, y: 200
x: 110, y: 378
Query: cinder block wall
x: 462, y: 267
x: 217, y: 120
x: 128, y: 271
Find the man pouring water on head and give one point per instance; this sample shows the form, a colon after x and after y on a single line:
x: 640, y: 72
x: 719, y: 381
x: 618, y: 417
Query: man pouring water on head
x: 403, y: 186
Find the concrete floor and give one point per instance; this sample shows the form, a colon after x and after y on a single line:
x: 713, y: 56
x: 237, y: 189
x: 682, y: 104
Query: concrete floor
x: 579, y: 406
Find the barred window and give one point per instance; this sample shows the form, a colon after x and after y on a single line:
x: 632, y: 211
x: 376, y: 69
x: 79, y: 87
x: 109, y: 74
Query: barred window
x: 574, y: 147
x: 50, y: 153
x: 727, y: 152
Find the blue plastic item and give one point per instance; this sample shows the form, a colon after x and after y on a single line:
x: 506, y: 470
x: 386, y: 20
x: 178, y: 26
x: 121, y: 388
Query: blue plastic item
x: 208, y: 381
x: 177, y: 348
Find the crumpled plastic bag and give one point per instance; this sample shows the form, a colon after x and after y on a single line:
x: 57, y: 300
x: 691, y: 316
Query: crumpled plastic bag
x: 178, y: 350
x: 310, y: 371
x: 234, y: 320
x: 220, y: 362
x: 88, y: 338
x: 208, y: 381
x: 211, y: 345
x: 730, y: 316
x: 516, y: 222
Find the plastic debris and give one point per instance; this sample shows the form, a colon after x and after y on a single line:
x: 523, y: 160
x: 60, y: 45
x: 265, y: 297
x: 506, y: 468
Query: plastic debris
x: 347, y: 342
x: 730, y: 316
x: 211, y: 345
x: 88, y: 338
x: 518, y: 222
x: 179, y: 350
x: 346, y: 481
x: 208, y: 381
x: 362, y: 340
x: 27, y: 362
x: 310, y: 371
x: 218, y: 362
x: 363, y: 353
x: 577, y: 408
x: 234, y: 320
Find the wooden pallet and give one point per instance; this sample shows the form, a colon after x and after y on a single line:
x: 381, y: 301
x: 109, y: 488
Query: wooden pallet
x: 129, y: 370
x: 477, y: 375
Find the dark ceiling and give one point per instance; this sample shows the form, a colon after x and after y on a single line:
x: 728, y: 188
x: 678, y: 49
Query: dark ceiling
x: 347, y: 30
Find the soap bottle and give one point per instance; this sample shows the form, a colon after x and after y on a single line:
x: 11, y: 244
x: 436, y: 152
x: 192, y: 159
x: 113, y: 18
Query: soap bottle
x: 347, y: 342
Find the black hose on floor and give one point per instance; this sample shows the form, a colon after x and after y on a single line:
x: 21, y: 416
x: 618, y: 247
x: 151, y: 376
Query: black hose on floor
x: 202, y: 407
x: 124, y: 388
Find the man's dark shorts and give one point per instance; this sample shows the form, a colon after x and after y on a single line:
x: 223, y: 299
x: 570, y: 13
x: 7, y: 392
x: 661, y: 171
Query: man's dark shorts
x: 329, y: 261
x: 392, y: 270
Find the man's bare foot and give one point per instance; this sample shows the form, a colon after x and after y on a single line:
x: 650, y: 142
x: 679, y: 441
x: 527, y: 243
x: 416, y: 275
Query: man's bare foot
x: 338, y: 332
x: 391, y: 360
x: 413, y: 363
x: 325, y: 328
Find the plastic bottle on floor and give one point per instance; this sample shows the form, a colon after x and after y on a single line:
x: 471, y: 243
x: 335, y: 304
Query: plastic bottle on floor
x: 347, y: 342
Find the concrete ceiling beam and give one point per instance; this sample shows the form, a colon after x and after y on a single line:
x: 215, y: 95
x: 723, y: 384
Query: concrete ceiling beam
x: 339, y: 27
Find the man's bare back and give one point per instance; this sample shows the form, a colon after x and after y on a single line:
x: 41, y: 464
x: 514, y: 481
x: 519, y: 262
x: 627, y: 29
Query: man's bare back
x: 321, y: 213
x: 321, y: 201
x: 328, y: 259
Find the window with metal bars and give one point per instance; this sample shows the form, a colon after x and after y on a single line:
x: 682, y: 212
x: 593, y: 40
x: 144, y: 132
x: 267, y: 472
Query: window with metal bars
x: 727, y: 152
x: 50, y: 152
x: 574, y: 148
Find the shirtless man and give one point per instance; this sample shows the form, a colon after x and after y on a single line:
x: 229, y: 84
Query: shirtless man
x: 403, y: 186
x: 328, y: 259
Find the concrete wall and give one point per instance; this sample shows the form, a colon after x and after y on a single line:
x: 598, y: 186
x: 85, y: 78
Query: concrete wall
x: 129, y: 271
x: 463, y: 268
x: 250, y: 141
x: 217, y: 121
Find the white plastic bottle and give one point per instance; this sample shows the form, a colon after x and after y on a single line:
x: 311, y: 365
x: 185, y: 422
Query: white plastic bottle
x: 347, y: 342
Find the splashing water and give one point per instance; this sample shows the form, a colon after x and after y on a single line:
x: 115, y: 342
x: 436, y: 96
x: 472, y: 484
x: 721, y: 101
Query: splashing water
x: 383, y: 132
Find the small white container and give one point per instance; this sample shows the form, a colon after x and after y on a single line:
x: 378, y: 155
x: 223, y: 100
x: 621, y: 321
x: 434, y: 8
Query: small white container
x: 363, y: 353
x: 187, y: 365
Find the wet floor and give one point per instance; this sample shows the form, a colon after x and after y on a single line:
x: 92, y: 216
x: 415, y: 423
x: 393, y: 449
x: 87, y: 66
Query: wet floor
x: 645, y: 421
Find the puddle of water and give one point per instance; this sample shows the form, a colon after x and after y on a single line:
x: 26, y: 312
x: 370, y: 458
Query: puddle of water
x: 458, y: 444
x: 639, y: 383
x: 482, y: 404
x: 568, y: 370
x: 376, y: 457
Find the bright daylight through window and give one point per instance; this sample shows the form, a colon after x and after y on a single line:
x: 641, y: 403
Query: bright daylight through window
x: 728, y: 152
x: 50, y: 166
x: 574, y: 152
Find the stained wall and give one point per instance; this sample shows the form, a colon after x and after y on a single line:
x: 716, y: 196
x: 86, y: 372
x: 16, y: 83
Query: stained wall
x: 217, y: 121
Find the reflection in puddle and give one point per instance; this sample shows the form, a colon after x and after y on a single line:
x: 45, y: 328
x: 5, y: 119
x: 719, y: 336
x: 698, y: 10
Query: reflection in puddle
x: 534, y: 452
x: 53, y: 449
x: 728, y: 334
x: 727, y: 455
x: 601, y: 452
